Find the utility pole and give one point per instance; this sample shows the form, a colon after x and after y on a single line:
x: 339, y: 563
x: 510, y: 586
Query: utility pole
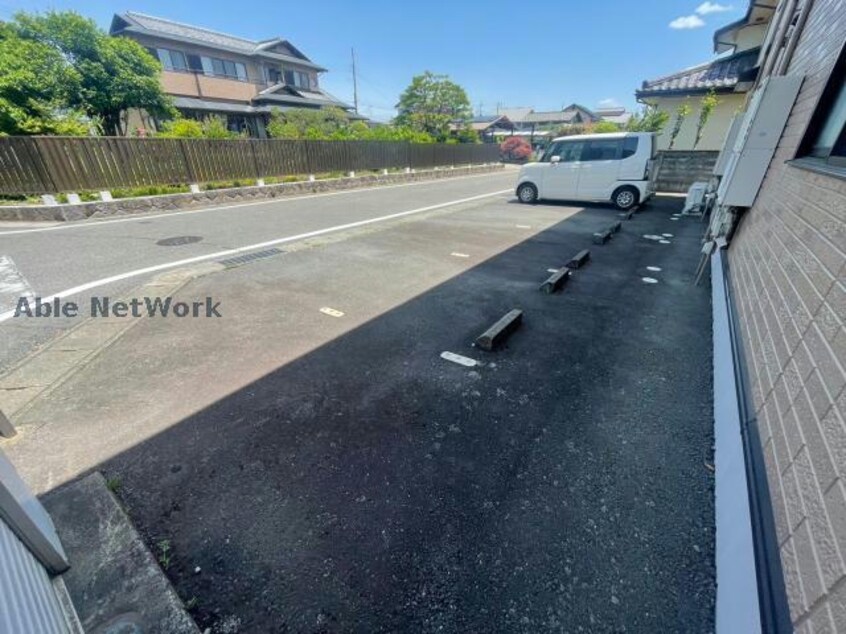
x: 355, y: 82
x: 480, y: 108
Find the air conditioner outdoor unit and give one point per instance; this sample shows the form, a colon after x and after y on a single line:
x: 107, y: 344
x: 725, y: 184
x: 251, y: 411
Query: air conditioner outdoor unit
x: 756, y: 141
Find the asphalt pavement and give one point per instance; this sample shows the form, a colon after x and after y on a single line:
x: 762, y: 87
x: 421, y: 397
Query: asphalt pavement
x: 112, y: 256
x: 319, y: 471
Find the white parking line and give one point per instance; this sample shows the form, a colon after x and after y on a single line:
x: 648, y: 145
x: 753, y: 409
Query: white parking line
x: 460, y: 359
x: 259, y: 245
x: 84, y: 224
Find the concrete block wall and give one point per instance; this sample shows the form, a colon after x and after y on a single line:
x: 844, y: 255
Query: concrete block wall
x: 677, y: 170
x: 788, y: 272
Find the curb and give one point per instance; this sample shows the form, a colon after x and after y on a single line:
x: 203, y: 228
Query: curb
x: 191, y: 200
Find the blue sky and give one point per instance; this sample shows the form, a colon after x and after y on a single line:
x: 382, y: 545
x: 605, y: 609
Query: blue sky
x: 540, y: 54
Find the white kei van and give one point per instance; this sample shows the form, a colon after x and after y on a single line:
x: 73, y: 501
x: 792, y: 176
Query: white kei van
x: 611, y: 167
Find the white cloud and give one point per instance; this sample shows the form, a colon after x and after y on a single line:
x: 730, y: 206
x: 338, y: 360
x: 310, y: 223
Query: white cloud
x: 712, y: 7
x: 687, y: 22
x: 609, y: 102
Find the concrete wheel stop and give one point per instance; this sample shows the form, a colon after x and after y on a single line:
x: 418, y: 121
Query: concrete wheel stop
x: 556, y: 281
x: 496, y: 335
x: 579, y: 260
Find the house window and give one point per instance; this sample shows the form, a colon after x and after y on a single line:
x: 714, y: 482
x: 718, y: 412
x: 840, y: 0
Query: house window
x: 224, y: 68
x: 825, y: 138
x: 298, y: 78
x: 172, y: 60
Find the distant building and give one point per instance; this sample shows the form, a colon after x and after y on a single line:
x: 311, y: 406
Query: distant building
x: 618, y: 115
x: 211, y: 73
x: 729, y: 76
x: 488, y: 127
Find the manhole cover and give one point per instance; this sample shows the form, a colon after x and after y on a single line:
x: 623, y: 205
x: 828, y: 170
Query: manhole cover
x: 178, y: 241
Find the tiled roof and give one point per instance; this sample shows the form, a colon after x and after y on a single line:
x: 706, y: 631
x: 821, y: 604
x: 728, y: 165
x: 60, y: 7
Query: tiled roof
x: 140, y: 22
x: 161, y: 25
x: 555, y: 116
x: 721, y: 74
x: 515, y: 114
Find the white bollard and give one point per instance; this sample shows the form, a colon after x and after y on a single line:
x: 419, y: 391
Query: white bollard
x: 260, y: 182
x: 49, y: 200
x: 351, y: 174
x: 311, y: 178
x: 106, y: 196
x: 74, y: 199
x: 194, y: 188
x: 384, y: 172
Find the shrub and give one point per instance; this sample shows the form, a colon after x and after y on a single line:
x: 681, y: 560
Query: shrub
x: 515, y: 148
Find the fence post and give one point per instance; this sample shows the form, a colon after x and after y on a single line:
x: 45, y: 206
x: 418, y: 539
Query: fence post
x: 309, y: 164
x: 189, y: 168
x: 258, y: 173
x: 43, y: 170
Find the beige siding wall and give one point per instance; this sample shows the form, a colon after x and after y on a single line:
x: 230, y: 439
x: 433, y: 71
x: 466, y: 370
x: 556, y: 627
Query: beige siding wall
x: 715, y: 129
x: 788, y: 263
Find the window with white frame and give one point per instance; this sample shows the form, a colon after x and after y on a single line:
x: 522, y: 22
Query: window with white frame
x: 825, y: 138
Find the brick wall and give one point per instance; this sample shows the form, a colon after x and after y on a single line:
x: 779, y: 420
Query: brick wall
x: 788, y: 263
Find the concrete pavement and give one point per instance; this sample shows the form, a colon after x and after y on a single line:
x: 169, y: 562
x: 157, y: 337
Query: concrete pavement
x: 334, y: 473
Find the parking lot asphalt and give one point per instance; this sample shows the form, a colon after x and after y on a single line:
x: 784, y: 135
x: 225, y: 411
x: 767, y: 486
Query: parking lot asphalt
x: 316, y: 473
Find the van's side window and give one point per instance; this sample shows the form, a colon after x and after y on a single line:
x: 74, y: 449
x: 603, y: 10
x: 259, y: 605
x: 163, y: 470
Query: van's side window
x: 629, y: 146
x: 601, y: 150
x: 571, y: 151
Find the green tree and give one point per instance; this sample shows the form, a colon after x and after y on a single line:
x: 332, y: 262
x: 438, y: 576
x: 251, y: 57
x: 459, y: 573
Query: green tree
x: 706, y: 108
x: 182, y: 129
x: 682, y: 113
x: 649, y: 120
x: 35, y: 88
x: 307, y: 123
x: 430, y: 103
x: 604, y: 126
x: 114, y: 74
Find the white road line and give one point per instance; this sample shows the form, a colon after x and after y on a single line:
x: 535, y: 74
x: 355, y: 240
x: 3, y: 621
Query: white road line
x: 460, y: 359
x: 459, y: 255
x: 84, y: 224
x: 13, y: 284
x: 250, y: 247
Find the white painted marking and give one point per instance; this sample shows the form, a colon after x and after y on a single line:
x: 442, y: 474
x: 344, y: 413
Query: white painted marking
x: 523, y: 226
x: 667, y: 235
x: 649, y: 280
x: 664, y: 242
x: 673, y: 218
x: 654, y: 269
x: 552, y: 270
x: 459, y: 359
x: 459, y: 255
x: 85, y: 224
x: 331, y: 312
x: 650, y: 236
x: 251, y: 247
x: 13, y: 285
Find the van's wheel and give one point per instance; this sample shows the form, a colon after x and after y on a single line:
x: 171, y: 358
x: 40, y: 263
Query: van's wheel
x: 527, y: 193
x: 625, y: 198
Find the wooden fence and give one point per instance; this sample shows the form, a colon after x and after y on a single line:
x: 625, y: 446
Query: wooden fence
x: 47, y: 165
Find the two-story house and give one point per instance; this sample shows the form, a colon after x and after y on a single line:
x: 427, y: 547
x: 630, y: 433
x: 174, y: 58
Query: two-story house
x: 211, y: 73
